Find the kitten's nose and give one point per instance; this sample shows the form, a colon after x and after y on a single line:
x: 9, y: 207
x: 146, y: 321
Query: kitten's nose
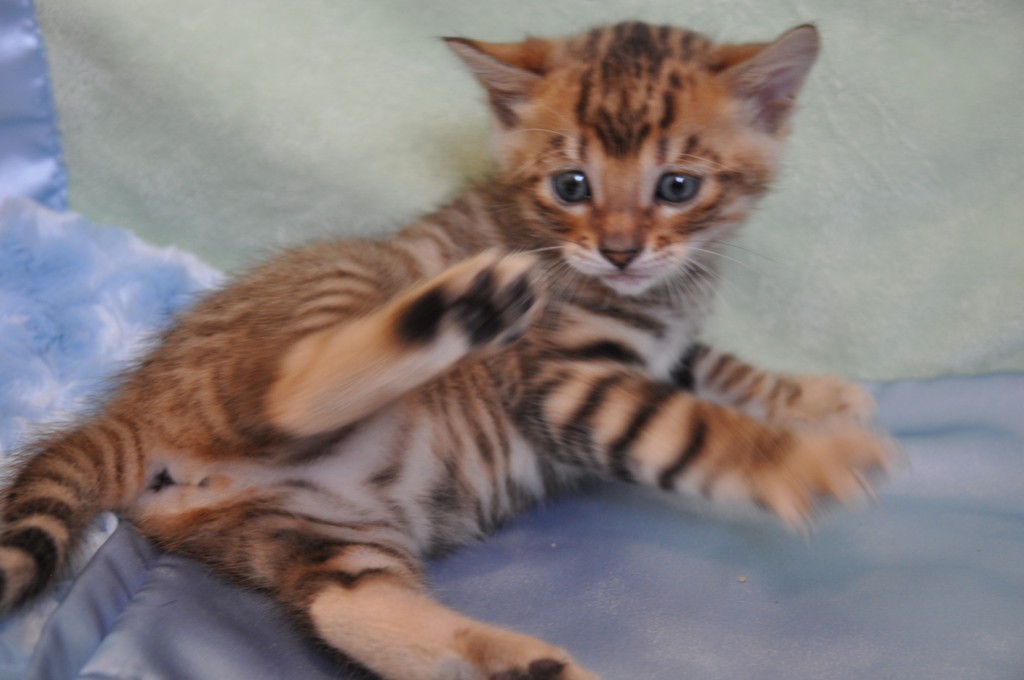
x: 620, y: 258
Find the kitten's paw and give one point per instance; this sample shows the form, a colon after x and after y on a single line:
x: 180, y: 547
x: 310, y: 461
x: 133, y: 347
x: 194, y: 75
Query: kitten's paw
x: 541, y: 669
x: 504, y: 655
x: 821, y: 399
x: 486, y: 301
x: 493, y: 297
x: 813, y: 469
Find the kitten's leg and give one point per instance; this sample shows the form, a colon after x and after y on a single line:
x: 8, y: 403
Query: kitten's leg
x: 800, y: 400
x: 399, y: 632
x: 335, y: 376
x: 619, y: 422
x: 358, y: 587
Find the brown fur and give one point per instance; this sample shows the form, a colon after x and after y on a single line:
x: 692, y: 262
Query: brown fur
x: 336, y: 415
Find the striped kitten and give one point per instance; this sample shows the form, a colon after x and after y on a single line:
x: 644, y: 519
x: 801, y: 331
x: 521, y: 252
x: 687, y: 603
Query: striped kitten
x: 339, y: 414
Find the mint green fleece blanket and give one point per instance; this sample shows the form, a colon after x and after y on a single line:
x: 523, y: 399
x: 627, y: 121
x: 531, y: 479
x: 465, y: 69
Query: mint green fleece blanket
x: 892, y: 247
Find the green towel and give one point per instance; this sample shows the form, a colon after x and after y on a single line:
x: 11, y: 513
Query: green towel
x: 892, y: 247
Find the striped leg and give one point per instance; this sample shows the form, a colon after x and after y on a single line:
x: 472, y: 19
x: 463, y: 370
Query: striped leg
x: 624, y: 425
x: 71, y: 476
x: 391, y: 627
x: 339, y: 375
x: 358, y: 587
x: 798, y: 400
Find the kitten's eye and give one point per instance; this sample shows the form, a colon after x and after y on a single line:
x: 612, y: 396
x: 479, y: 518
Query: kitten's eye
x: 674, y: 187
x: 572, y: 186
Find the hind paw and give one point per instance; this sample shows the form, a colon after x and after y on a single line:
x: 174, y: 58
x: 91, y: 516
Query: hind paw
x: 488, y: 299
x: 504, y: 655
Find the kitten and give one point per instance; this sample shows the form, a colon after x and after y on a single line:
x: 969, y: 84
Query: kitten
x: 345, y: 411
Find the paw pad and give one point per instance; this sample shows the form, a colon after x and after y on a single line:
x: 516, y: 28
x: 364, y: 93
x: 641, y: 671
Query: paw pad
x: 542, y: 669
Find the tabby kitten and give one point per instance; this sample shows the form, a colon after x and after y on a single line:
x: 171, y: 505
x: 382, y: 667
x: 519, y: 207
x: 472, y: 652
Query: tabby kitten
x: 339, y: 414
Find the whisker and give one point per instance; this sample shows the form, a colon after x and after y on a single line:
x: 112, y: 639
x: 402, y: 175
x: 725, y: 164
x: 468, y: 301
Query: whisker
x: 748, y: 250
x: 726, y: 257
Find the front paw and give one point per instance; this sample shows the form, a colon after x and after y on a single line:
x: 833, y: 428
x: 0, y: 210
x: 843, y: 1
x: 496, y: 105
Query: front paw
x: 486, y: 301
x: 808, y: 470
x: 819, y: 400
x: 496, y: 304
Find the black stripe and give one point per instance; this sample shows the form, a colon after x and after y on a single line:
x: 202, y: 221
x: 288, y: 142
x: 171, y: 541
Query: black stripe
x: 668, y: 115
x: 619, y: 449
x: 449, y: 495
x: 638, y: 320
x: 349, y: 580
x: 51, y: 507
x: 57, y: 478
x: 693, y: 448
x: 691, y: 144
x: 336, y: 272
x: 582, y: 150
x: 584, y: 101
x: 310, y: 548
x: 602, y: 350
x: 716, y: 370
x: 340, y: 312
x: 577, y: 432
x: 116, y: 440
x: 43, y: 549
x: 419, y: 322
x: 682, y: 374
x: 594, y: 399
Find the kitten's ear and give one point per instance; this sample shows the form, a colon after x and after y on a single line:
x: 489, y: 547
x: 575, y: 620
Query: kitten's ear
x: 508, y: 71
x: 770, y: 76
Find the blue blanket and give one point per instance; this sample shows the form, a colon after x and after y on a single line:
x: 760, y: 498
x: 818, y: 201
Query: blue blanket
x: 929, y: 584
x: 77, y: 302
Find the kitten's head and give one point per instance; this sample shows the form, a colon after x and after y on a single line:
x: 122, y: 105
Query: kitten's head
x: 634, y: 147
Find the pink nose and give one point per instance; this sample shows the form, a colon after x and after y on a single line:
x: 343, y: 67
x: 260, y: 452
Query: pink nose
x: 620, y: 258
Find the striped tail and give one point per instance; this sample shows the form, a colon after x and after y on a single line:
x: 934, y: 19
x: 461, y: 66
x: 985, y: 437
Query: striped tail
x: 63, y: 483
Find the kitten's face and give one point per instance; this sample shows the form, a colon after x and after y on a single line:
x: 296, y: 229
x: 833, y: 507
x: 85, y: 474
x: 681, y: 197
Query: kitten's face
x: 636, y: 148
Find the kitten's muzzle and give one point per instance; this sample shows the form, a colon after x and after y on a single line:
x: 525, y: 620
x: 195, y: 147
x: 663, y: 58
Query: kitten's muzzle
x: 621, y: 258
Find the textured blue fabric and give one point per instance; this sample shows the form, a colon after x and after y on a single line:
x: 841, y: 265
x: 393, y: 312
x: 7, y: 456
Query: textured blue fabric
x: 76, y: 301
x: 31, y: 163
x: 929, y: 584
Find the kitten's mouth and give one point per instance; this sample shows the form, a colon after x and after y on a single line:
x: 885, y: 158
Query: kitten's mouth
x: 627, y: 282
x: 626, y: 278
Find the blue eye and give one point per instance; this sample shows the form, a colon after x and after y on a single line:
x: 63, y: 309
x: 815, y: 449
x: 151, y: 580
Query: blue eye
x: 674, y: 187
x: 571, y: 187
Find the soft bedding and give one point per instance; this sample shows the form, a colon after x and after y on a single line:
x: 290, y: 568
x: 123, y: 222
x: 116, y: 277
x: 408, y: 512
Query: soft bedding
x: 927, y: 584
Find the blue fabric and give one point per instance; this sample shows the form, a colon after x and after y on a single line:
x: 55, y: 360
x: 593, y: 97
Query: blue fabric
x: 928, y: 584
x: 76, y: 302
x: 30, y: 154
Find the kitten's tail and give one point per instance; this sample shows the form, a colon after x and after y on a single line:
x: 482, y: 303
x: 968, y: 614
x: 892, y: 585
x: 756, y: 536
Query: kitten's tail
x: 63, y: 483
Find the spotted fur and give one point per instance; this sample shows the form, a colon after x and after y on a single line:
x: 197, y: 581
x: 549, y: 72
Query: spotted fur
x: 348, y: 409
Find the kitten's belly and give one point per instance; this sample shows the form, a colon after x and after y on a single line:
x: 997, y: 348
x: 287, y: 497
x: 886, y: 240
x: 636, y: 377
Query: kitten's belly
x: 391, y: 471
